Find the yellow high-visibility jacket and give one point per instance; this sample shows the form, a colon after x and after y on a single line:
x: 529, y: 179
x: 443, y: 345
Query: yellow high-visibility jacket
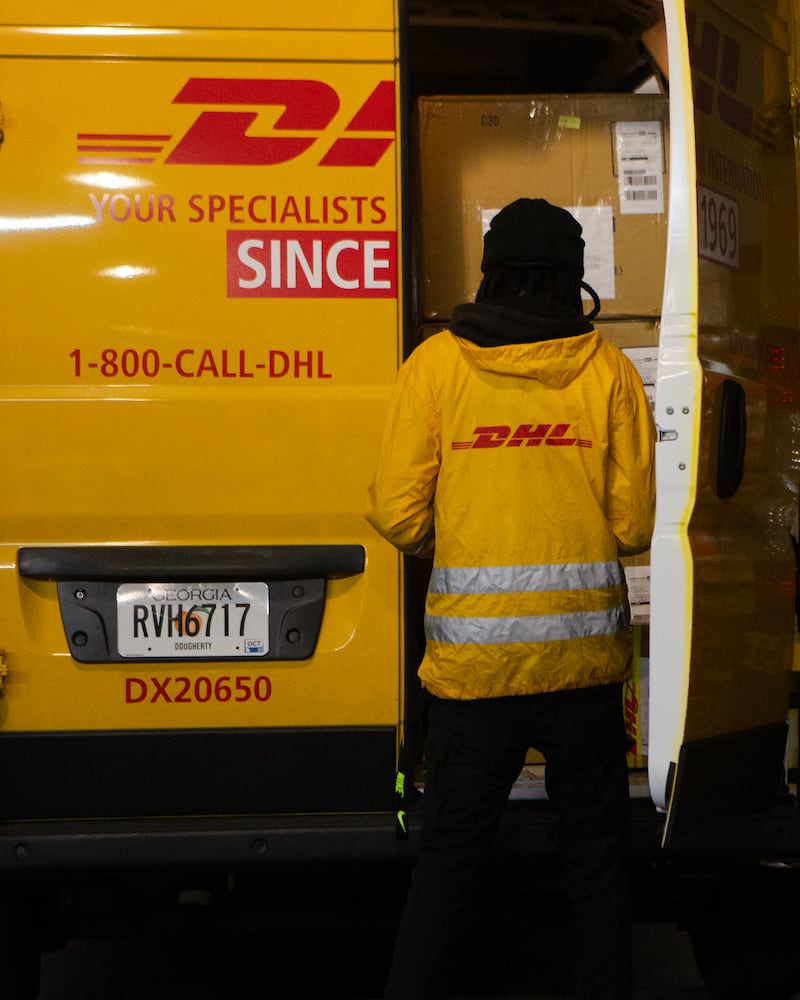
x: 525, y: 470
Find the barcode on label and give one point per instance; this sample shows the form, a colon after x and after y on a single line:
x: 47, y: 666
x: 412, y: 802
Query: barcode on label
x: 641, y: 180
x: 640, y: 156
x: 641, y: 195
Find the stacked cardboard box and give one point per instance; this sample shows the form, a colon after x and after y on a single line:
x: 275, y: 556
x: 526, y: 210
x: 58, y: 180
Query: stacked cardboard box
x: 604, y: 157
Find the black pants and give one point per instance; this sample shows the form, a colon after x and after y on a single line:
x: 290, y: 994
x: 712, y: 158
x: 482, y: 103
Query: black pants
x: 474, y: 753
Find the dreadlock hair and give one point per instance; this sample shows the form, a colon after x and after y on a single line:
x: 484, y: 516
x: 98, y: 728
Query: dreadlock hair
x: 550, y: 291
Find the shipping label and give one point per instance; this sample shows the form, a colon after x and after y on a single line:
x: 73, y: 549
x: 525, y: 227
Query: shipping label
x: 640, y: 167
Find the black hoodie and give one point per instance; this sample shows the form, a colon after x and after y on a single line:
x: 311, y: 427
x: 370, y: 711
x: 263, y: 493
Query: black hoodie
x: 498, y: 322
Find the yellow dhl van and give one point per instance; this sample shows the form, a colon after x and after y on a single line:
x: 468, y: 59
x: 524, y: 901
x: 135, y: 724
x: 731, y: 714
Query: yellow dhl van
x: 221, y: 231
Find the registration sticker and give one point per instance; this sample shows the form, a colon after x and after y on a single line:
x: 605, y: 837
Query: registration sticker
x: 193, y: 620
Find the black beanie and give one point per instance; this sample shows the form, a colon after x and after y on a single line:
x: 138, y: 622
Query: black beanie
x: 532, y: 231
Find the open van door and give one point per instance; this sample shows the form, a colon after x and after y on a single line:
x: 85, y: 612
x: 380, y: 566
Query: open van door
x: 723, y: 565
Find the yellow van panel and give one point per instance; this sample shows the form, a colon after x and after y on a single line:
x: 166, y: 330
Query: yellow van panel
x: 201, y: 256
x: 303, y: 15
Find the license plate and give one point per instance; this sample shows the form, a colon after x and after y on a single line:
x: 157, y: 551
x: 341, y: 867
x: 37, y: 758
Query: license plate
x: 193, y: 620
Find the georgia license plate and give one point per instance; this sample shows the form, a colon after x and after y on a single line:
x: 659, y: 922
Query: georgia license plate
x: 193, y: 620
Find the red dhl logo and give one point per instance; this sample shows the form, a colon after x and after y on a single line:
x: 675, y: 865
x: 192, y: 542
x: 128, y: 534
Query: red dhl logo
x: 716, y: 59
x: 631, y: 709
x: 530, y: 436
x: 220, y: 137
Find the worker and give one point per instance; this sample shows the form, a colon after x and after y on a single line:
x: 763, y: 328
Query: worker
x: 518, y: 453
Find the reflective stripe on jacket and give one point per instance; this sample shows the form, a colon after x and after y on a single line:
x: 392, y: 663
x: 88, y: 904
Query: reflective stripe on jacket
x: 515, y: 581
x: 525, y: 470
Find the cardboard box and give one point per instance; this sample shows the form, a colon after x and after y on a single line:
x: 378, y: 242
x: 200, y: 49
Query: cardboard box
x: 604, y: 157
x: 638, y: 340
x: 637, y: 347
x: 636, y: 698
x: 631, y: 334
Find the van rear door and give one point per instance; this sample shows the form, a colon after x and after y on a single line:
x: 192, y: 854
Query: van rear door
x: 200, y: 239
x: 723, y: 565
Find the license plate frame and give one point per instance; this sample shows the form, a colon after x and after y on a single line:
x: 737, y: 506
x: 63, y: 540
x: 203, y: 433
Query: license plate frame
x: 193, y: 621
